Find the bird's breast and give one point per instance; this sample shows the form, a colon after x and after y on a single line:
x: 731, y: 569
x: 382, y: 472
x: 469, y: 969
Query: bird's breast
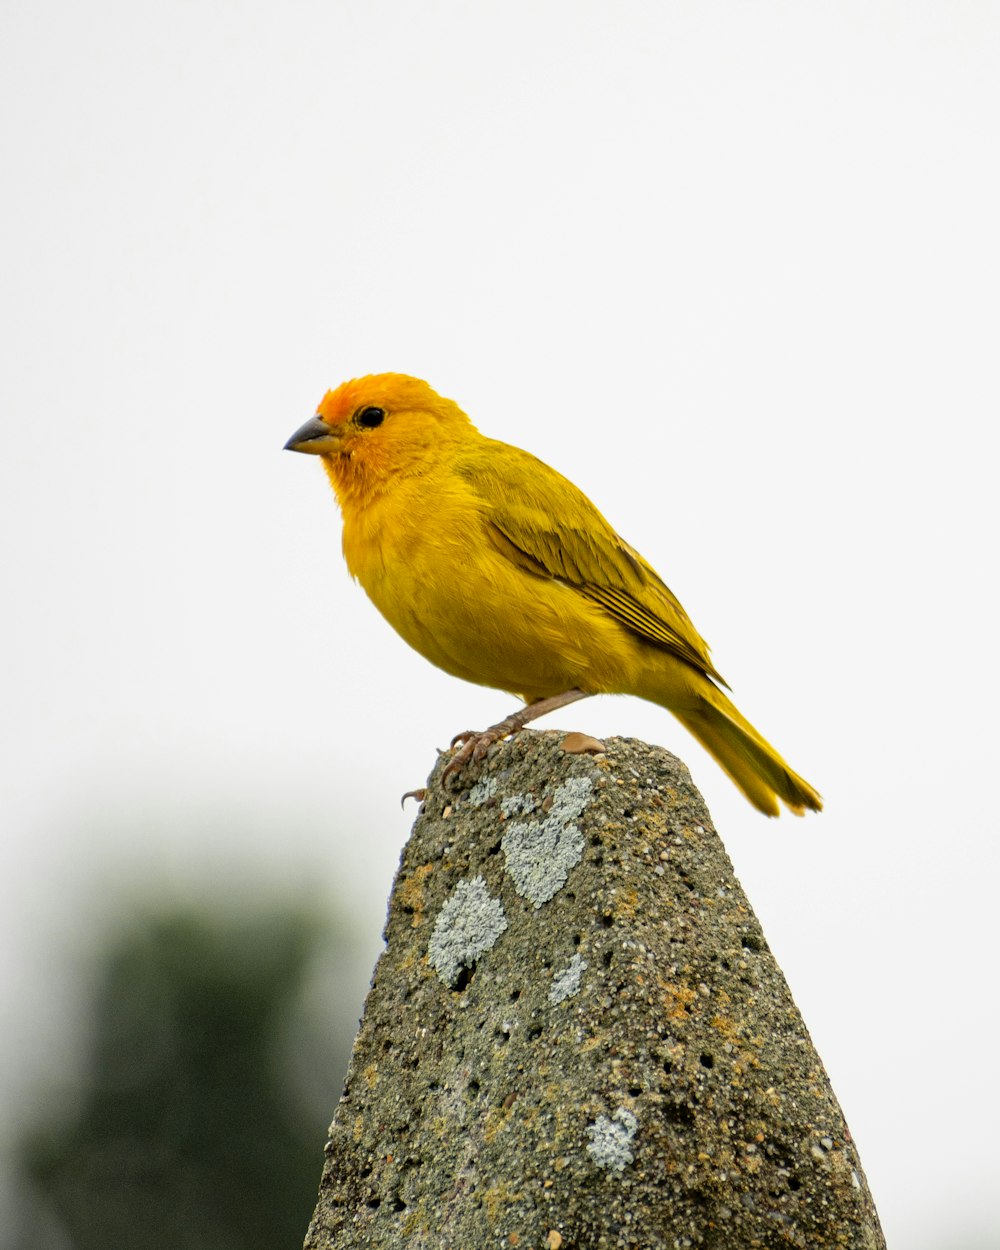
x: 437, y: 577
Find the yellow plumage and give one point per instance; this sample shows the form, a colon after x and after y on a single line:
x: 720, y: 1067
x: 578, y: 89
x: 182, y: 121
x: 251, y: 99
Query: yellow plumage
x: 500, y: 571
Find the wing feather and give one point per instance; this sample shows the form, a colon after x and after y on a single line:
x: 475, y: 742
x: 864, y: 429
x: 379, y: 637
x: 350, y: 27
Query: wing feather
x: 546, y: 525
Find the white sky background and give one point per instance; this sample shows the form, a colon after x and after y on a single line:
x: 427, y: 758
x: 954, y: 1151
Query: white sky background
x: 733, y: 268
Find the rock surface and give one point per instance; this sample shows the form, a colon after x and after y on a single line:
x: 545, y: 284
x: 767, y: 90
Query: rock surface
x: 577, y: 1036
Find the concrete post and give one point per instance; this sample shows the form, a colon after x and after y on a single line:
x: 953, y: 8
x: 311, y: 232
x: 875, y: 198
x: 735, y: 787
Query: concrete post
x: 577, y: 1036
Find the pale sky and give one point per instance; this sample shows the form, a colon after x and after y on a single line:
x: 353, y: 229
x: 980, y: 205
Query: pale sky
x: 731, y: 267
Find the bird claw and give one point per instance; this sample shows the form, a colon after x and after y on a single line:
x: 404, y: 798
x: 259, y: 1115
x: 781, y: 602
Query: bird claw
x: 419, y: 795
x: 471, y: 747
x: 461, y: 758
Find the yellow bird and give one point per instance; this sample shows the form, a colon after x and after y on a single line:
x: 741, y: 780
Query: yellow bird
x: 500, y: 571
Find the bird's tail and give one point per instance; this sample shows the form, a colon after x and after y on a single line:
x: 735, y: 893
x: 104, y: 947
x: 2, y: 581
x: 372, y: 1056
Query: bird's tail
x: 749, y: 759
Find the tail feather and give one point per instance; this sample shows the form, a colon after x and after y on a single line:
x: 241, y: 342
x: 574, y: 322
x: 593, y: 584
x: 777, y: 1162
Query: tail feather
x: 753, y: 764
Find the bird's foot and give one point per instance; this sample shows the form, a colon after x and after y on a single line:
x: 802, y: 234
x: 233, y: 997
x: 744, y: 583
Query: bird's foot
x: 471, y: 746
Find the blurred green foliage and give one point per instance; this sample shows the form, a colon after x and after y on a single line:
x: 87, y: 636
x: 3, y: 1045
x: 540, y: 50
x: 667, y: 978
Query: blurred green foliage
x: 186, y: 1131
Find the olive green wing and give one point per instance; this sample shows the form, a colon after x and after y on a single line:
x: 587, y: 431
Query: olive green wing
x: 542, y: 522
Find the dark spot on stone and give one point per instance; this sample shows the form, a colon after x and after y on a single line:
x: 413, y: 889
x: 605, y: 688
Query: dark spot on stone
x: 678, y: 1113
x: 707, y: 1061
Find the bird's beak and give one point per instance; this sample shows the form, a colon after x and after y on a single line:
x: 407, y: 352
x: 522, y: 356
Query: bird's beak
x: 315, y: 437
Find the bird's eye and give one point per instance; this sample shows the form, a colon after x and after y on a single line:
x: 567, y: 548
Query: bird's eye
x: 370, y: 417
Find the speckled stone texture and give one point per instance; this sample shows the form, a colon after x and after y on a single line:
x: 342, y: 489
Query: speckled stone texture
x: 577, y: 1036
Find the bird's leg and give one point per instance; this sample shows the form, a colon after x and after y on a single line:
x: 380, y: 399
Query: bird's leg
x: 472, y: 745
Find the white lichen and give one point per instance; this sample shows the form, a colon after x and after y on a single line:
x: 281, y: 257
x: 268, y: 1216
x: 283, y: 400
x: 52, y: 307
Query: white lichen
x: 468, y: 924
x: 611, y: 1140
x: 567, y: 983
x: 482, y: 791
x: 518, y: 805
x: 541, y: 853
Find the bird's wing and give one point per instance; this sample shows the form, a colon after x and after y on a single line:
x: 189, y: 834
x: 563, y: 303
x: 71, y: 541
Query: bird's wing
x: 541, y: 521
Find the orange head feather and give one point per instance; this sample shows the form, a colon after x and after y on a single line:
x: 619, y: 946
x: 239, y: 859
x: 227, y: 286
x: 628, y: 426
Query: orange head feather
x: 374, y: 429
x: 396, y: 393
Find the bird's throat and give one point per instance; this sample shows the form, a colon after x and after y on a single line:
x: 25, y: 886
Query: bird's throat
x: 355, y: 481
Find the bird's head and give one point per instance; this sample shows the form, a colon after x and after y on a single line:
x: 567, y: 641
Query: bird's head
x: 373, y: 428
